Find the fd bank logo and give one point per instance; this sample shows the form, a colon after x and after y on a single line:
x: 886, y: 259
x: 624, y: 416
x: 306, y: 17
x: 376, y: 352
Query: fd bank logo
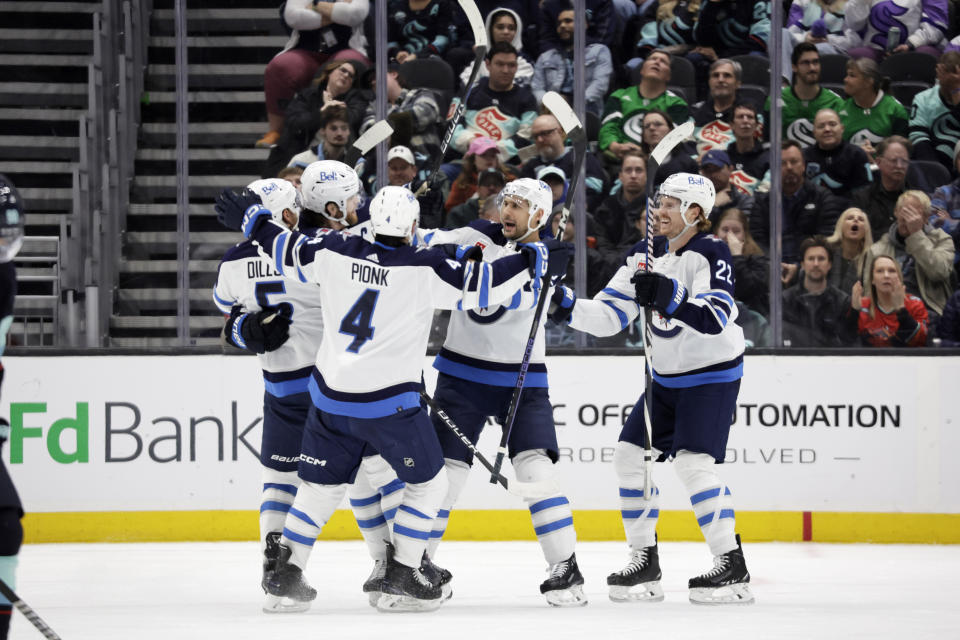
x: 58, y: 436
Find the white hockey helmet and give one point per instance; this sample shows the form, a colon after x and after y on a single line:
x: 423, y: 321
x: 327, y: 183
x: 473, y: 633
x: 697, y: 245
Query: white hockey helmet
x: 277, y: 195
x: 394, y: 211
x: 689, y: 189
x: 327, y: 181
x: 537, y: 193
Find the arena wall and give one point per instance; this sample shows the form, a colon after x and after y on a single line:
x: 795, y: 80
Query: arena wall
x: 138, y: 448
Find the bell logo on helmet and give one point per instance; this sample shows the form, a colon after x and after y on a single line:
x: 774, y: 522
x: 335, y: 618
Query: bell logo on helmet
x: 323, y: 176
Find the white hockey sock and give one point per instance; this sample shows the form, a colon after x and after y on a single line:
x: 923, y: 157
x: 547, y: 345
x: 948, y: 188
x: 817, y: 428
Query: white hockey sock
x: 279, y: 490
x: 383, y: 478
x: 414, y: 519
x: 365, y: 503
x: 639, y: 515
x: 457, y: 473
x: 311, y: 510
x: 552, y: 517
x: 711, y: 499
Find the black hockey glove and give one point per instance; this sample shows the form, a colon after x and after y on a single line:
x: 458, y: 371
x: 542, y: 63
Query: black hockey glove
x: 239, y: 212
x: 260, y: 332
x: 561, y: 304
x: 658, y: 291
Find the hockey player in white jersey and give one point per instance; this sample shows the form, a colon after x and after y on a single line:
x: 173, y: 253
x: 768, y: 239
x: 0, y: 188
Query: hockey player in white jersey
x: 366, y: 381
x: 281, y: 322
x: 479, y: 364
x: 697, y: 354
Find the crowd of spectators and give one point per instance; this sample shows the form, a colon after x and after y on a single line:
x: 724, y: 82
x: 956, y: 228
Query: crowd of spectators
x: 869, y: 202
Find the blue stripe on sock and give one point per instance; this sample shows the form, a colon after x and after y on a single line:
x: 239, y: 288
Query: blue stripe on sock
x: 410, y: 533
x: 631, y: 493
x: 654, y: 513
x: 393, y: 486
x: 437, y: 534
x: 443, y: 513
x: 390, y: 514
x: 725, y: 513
x: 302, y: 516
x: 296, y: 537
x: 548, y: 503
x: 727, y: 491
x: 286, y: 488
x: 704, y: 495
x: 365, y: 502
x: 632, y: 513
x: 273, y: 505
x: 372, y: 523
x: 414, y: 512
x: 702, y: 520
x: 553, y: 526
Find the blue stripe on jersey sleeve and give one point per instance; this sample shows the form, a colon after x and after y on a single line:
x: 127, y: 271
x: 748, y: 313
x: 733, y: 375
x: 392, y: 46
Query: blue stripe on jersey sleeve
x: 281, y: 249
x: 621, y: 316
x: 225, y: 305
x: 613, y: 293
x: 484, y: 296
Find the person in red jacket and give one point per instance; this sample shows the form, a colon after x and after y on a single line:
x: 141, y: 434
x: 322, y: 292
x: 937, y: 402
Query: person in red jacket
x: 889, y: 316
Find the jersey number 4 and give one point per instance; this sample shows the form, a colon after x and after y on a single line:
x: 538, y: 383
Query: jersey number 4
x: 357, y: 321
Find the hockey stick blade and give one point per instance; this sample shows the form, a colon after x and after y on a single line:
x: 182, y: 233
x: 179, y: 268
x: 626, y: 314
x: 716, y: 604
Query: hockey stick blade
x: 28, y: 612
x: 476, y: 22
x: 561, y: 111
x: 373, y: 136
x: 540, y: 489
x: 671, y: 140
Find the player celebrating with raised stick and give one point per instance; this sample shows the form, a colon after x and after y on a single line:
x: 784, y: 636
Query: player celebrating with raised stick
x: 479, y: 364
x: 697, y: 361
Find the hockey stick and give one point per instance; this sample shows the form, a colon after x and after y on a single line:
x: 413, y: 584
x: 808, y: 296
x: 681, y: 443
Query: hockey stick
x: 657, y: 156
x: 523, y: 489
x: 28, y: 612
x: 373, y: 136
x: 571, y: 126
x: 479, y: 52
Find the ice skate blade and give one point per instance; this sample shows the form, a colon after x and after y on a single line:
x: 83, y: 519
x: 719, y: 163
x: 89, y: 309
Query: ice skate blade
x: 281, y: 604
x: 643, y: 592
x: 446, y: 591
x: 731, y: 594
x: 572, y: 597
x: 373, y: 597
x: 390, y: 603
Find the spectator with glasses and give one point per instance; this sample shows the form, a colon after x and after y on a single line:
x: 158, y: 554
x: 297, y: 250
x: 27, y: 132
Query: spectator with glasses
x: 879, y: 197
x: 549, y: 139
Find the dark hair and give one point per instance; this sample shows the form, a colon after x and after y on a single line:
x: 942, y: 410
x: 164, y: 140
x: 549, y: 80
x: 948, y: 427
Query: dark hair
x: 331, y: 114
x: 889, y: 140
x: 290, y: 171
x: 663, y: 114
x: 950, y: 59
x: 786, y: 144
x: 500, y: 47
x: 634, y: 153
x: 815, y: 241
x: 747, y: 104
x: 332, y: 66
x: 800, y: 49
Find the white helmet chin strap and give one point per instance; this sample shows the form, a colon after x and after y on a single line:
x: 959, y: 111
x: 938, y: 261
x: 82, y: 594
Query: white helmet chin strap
x: 686, y: 225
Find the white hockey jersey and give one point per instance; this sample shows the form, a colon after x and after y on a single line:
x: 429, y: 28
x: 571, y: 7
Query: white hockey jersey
x: 701, y: 344
x: 486, y: 345
x: 377, y: 303
x: 252, y: 281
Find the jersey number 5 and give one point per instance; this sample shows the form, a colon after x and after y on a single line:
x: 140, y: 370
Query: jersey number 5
x: 357, y: 320
x: 264, y: 290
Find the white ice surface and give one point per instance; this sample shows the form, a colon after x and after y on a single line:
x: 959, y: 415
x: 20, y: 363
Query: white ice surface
x: 211, y: 591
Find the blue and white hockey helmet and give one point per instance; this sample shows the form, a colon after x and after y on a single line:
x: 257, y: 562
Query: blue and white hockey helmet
x: 277, y: 195
x: 395, y: 212
x: 11, y: 220
x: 327, y: 181
x: 538, y: 195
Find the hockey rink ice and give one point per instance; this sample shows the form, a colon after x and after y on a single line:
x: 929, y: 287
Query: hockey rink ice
x: 172, y: 591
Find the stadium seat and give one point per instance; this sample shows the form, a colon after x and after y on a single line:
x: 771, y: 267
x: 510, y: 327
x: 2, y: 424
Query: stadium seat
x: 593, y: 126
x: 927, y: 175
x: 910, y: 66
x: 756, y: 70
x: 904, y: 91
x: 431, y: 73
x: 833, y: 69
x: 754, y: 94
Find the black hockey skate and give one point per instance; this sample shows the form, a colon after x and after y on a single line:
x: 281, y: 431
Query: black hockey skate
x: 437, y: 575
x: 287, y: 589
x: 564, y: 586
x: 407, y: 589
x: 271, y: 553
x: 727, y: 583
x: 639, y: 581
x: 372, y: 586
